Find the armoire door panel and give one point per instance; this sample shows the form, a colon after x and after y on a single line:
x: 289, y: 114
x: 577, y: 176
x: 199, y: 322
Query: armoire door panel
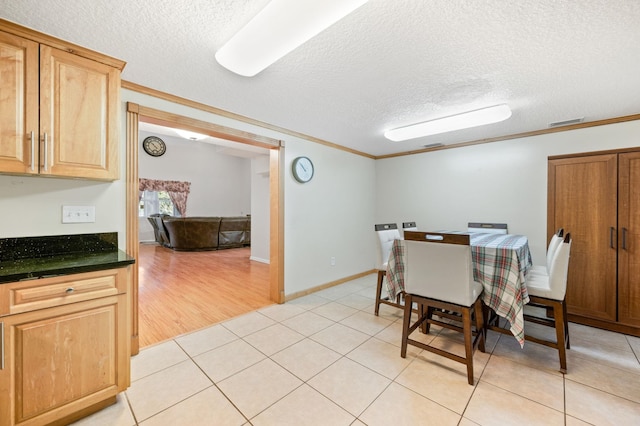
x: 629, y: 239
x: 583, y: 191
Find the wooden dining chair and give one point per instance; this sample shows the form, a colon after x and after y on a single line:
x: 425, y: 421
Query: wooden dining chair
x: 549, y: 293
x: 409, y: 226
x: 487, y: 228
x: 387, y: 233
x: 554, y: 243
x: 439, y: 275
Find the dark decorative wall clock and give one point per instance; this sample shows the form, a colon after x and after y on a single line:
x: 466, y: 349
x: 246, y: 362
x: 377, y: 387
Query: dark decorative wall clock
x: 154, y: 146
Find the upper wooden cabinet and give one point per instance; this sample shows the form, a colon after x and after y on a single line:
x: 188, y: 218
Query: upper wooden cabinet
x: 59, y: 108
x: 596, y: 197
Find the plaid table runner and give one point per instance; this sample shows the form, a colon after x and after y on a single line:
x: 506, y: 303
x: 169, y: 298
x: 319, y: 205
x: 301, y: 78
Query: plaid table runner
x: 501, y: 263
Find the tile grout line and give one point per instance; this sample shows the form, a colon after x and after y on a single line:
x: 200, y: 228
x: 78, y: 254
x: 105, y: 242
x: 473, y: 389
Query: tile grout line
x: 341, y: 356
x: 213, y: 383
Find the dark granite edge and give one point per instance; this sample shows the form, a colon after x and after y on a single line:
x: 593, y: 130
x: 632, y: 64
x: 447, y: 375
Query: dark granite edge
x: 39, y: 257
x: 121, y: 262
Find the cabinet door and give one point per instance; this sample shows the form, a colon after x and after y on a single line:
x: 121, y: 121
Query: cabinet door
x: 583, y: 201
x: 79, y: 100
x: 18, y: 104
x: 59, y: 361
x: 629, y: 242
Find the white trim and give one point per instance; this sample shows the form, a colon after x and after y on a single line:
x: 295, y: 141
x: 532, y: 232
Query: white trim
x: 257, y: 259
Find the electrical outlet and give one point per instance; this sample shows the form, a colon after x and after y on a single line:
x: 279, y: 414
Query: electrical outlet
x: 333, y: 261
x: 78, y: 214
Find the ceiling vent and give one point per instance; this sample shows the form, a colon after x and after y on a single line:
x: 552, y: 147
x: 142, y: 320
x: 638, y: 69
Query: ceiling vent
x: 433, y: 145
x: 567, y: 122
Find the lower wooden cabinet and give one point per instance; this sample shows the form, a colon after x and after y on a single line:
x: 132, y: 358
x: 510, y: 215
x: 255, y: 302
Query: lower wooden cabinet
x: 63, y: 362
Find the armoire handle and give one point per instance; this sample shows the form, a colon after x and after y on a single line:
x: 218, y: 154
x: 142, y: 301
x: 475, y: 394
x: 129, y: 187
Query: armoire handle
x: 624, y: 238
x: 612, y: 231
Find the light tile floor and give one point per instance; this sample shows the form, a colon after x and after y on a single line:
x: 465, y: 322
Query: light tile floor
x: 325, y: 359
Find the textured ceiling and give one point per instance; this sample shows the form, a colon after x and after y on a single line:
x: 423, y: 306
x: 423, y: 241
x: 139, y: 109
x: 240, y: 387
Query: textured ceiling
x: 389, y: 64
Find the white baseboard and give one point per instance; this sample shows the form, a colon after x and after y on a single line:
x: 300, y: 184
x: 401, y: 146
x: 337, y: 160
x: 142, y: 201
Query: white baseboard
x: 257, y: 259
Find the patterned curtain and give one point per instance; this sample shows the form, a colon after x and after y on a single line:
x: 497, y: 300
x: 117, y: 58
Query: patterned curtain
x: 178, y: 191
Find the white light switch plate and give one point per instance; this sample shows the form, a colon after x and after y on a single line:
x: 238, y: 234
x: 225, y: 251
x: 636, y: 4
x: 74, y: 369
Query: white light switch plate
x: 78, y: 214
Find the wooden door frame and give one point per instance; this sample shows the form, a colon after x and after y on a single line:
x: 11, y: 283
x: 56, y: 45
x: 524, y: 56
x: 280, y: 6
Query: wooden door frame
x: 136, y: 113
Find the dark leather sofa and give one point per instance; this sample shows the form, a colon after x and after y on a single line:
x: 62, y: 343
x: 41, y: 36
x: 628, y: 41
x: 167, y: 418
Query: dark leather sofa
x: 159, y: 230
x: 234, y: 232
x: 201, y: 233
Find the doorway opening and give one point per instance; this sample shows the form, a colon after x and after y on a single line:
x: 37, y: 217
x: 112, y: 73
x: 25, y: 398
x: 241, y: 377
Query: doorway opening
x: 137, y: 114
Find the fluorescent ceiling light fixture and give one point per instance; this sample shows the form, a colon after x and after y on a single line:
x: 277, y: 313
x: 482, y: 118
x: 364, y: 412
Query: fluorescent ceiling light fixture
x: 279, y: 28
x: 190, y: 135
x: 479, y: 117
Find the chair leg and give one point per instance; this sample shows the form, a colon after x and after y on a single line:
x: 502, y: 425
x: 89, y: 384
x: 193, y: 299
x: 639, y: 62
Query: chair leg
x: 566, y: 322
x: 406, y: 323
x: 426, y: 326
x: 490, y: 317
x: 559, y: 318
x: 486, y: 315
x: 468, y: 342
x: 381, y: 275
x: 480, y: 328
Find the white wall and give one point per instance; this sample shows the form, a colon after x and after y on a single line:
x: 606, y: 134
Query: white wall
x: 260, y: 205
x: 220, y: 183
x: 495, y: 182
x: 330, y: 216
x: 32, y: 206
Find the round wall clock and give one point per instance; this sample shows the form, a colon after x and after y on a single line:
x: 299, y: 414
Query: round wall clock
x: 154, y: 146
x: 302, y: 169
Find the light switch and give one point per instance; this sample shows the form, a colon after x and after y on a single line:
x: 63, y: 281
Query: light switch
x: 78, y: 214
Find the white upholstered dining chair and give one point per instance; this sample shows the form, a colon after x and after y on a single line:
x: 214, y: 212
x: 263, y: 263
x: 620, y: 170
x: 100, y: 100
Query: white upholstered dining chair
x: 547, y: 304
x: 487, y: 228
x: 386, y: 234
x: 554, y: 243
x: 409, y: 226
x: 549, y: 292
x: 438, y: 274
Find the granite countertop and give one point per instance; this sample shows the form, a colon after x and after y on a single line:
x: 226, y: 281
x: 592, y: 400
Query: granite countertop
x: 41, y: 257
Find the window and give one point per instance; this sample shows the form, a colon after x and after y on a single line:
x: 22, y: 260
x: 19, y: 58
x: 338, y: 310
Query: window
x: 173, y: 201
x: 153, y: 202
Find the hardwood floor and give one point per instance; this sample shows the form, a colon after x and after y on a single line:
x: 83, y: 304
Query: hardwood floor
x: 183, y: 291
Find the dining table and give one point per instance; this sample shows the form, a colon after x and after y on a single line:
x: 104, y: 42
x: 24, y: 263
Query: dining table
x: 501, y: 263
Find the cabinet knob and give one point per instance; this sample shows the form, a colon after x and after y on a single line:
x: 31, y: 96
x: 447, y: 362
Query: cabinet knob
x: 69, y: 290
